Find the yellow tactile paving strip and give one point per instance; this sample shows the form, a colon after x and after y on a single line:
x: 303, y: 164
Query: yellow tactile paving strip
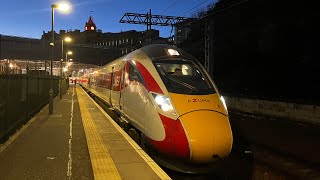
x: 154, y: 166
x: 102, y: 163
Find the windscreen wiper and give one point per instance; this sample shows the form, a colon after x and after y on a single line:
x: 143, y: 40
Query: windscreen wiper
x: 176, y: 80
x: 182, y: 83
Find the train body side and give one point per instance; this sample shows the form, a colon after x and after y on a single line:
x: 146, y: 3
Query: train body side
x: 129, y: 96
x: 195, y: 128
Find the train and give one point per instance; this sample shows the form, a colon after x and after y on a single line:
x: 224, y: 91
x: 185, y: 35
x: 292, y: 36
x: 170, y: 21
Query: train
x: 167, y: 97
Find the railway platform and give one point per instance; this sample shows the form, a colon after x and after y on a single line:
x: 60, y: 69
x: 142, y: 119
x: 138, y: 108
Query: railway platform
x: 78, y: 141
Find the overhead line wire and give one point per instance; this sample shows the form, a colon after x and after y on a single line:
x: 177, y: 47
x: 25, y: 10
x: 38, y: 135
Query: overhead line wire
x: 194, y: 7
x: 226, y: 8
x: 188, y: 11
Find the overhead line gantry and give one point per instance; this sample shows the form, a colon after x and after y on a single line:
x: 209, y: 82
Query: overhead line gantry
x: 151, y: 19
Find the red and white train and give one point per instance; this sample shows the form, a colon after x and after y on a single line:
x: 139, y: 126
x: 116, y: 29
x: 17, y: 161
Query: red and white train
x: 167, y: 96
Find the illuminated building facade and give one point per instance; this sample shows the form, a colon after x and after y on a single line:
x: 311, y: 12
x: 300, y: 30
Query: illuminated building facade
x: 124, y: 42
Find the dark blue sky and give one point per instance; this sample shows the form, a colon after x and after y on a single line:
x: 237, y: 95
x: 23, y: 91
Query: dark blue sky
x: 29, y: 18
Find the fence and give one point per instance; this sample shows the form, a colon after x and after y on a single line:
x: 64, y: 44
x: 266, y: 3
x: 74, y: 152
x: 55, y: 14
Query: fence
x: 21, y: 96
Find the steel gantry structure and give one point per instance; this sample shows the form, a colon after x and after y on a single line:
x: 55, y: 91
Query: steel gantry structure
x: 150, y: 19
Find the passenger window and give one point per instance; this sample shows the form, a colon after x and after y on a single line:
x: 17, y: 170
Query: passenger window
x: 134, y: 74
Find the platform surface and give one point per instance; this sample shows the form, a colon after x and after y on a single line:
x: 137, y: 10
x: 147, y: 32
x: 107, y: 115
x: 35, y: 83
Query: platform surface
x: 78, y: 141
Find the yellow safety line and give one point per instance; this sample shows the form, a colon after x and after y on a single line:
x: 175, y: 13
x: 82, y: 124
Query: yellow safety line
x: 154, y: 166
x: 101, y: 161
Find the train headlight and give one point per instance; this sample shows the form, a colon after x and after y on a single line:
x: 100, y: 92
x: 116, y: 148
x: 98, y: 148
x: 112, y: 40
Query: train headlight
x: 163, y: 102
x: 173, y: 52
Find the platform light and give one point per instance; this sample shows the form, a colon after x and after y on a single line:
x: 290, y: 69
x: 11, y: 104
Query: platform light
x: 63, y: 7
x: 67, y: 39
x: 173, y: 52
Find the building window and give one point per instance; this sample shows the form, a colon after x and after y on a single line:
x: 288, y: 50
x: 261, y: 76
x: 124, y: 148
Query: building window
x: 127, y: 40
x: 119, y: 42
x: 131, y: 41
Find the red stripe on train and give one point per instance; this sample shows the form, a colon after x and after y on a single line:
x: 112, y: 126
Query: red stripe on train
x: 164, y: 145
x: 175, y: 142
x: 179, y: 141
x: 151, y: 83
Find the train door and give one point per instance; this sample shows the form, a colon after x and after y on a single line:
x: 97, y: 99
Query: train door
x: 122, y: 86
x: 134, y: 95
x: 111, y: 87
x: 116, y: 87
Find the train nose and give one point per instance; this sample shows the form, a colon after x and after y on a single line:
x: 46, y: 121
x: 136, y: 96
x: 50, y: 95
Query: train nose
x: 209, y: 135
x: 179, y: 142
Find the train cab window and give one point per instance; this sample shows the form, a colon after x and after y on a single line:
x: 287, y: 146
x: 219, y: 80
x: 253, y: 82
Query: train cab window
x: 134, y: 74
x: 177, y: 69
x: 183, y: 76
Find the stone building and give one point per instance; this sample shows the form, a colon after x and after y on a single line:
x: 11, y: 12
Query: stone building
x: 90, y: 46
x: 122, y: 42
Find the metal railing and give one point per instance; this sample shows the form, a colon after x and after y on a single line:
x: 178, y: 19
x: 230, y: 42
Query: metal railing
x: 21, y: 96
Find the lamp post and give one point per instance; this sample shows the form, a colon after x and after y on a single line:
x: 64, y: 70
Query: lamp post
x: 66, y: 39
x: 67, y: 61
x: 70, y: 53
x: 64, y: 7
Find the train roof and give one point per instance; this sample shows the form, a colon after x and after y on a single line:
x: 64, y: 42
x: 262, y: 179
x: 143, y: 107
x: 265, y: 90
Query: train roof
x: 157, y: 51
